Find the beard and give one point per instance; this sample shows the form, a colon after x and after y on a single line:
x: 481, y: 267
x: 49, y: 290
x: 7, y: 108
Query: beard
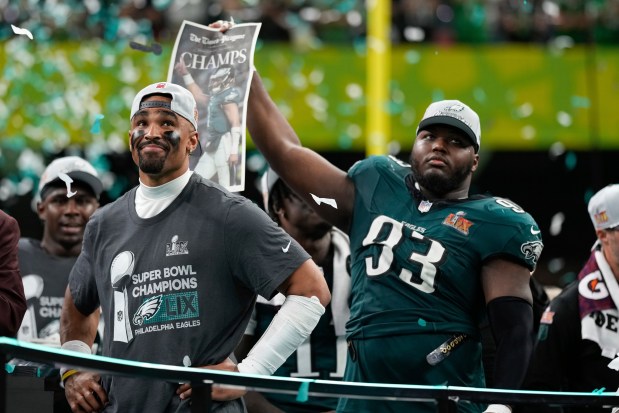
x: 439, y: 184
x: 151, y: 165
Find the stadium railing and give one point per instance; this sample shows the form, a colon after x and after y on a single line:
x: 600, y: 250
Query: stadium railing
x: 447, y: 398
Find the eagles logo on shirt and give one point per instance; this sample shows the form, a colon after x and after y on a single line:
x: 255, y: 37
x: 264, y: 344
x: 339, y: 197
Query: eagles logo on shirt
x: 147, y: 310
x: 532, y: 250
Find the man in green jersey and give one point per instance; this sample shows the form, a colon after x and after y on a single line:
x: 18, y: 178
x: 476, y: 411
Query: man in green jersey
x: 429, y: 261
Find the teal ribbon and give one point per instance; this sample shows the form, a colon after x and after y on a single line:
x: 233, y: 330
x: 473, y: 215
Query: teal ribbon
x: 302, y: 394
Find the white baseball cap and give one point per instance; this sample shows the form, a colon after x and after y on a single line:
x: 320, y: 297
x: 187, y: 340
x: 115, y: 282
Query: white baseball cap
x: 76, y: 168
x: 183, y: 102
x: 453, y: 113
x: 604, y: 207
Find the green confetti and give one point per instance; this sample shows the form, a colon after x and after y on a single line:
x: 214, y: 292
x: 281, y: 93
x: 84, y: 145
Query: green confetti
x: 570, y: 161
x: 96, y: 126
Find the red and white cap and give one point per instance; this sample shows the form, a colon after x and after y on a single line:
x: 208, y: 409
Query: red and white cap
x: 604, y: 207
x: 183, y: 102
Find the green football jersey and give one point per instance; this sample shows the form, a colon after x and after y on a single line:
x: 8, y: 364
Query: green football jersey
x: 416, y: 265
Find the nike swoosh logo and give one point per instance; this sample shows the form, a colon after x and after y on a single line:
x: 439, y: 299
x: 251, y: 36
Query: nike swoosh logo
x: 287, y: 247
x: 535, y: 232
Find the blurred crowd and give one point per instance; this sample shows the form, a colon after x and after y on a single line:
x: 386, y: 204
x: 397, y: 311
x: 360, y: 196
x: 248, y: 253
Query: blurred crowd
x: 308, y: 23
x: 65, y: 92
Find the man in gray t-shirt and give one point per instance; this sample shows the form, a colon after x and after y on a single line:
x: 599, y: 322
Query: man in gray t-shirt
x: 176, y: 265
x: 67, y: 196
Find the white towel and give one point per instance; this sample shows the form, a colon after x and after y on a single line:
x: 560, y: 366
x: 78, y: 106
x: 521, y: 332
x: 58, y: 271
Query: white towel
x: 603, y: 299
x: 341, y: 281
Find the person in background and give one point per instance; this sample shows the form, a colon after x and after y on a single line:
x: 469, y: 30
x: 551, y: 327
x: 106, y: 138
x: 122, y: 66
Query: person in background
x: 176, y: 265
x: 579, y: 331
x: 68, y: 195
x: 323, y: 354
x: 12, y: 299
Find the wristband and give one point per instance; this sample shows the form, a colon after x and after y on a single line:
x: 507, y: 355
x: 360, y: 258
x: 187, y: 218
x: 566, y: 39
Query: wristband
x: 188, y: 79
x: 72, y: 345
x: 498, y: 408
x: 76, y: 345
x: 67, y: 374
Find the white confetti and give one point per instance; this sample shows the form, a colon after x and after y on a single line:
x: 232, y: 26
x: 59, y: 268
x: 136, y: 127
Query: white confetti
x: 327, y: 201
x: 614, y: 365
x: 19, y: 30
x: 67, y: 180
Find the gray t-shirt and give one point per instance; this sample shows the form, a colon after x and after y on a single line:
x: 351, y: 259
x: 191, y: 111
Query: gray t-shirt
x: 178, y: 288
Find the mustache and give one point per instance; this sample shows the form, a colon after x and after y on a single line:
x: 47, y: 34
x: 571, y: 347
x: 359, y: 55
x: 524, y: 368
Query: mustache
x: 156, y: 142
x: 436, y: 158
x: 168, y: 139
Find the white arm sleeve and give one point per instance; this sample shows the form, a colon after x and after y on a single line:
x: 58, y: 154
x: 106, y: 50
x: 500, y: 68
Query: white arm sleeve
x: 292, y: 324
x: 498, y: 408
x: 235, y: 131
x: 73, y: 345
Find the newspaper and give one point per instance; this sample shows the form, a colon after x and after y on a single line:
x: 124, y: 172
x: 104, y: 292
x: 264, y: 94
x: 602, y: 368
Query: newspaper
x: 217, y: 68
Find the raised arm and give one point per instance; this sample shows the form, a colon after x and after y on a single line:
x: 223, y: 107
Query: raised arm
x: 191, y: 85
x: 304, y: 170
